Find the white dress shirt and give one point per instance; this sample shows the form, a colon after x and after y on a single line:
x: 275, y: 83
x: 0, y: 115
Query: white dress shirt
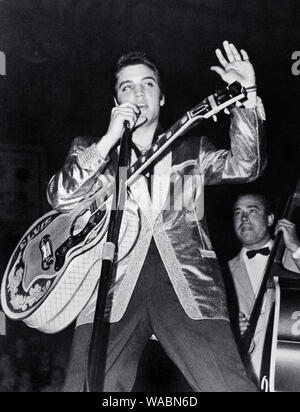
x: 256, y: 266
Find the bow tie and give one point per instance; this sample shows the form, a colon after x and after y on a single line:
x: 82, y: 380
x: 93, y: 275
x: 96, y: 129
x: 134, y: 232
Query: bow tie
x: 265, y: 251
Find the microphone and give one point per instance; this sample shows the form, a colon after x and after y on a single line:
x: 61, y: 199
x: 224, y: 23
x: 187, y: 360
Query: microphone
x: 127, y: 125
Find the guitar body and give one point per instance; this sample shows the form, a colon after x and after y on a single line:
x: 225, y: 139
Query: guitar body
x: 285, y: 359
x: 49, y: 266
x: 281, y: 368
x: 55, y: 268
x: 281, y: 360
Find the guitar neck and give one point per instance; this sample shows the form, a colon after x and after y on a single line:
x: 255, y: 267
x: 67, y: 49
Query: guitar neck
x: 210, y: 106
x: 160, y: 146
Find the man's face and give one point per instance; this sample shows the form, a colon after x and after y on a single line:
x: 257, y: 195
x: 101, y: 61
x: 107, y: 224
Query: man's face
x: 138, y: 84
x: 251, y: 222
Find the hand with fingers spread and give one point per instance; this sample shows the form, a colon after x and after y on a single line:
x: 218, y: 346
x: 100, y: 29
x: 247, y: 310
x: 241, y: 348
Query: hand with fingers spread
x: 235, y: 66
x: 289, y: 232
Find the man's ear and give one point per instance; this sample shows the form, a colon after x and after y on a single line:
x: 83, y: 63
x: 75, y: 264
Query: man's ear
x: 162, y: 100
x: 271, y: 219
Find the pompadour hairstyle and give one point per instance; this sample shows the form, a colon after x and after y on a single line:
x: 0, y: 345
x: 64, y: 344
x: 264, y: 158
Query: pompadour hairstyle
x: 133, y: 58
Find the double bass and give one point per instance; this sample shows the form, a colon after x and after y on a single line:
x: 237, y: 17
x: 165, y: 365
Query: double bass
x: 280, y: 371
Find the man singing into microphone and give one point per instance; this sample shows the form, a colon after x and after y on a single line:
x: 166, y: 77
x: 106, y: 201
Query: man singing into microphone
x: 169, y: 283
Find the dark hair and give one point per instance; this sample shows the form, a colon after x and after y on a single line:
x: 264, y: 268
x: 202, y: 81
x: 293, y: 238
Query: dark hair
x: 266, y: 202
x: 133, y: 58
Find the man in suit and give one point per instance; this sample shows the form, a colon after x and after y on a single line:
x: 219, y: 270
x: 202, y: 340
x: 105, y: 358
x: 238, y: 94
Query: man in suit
x: 169, y: 283
x: 253, y: 219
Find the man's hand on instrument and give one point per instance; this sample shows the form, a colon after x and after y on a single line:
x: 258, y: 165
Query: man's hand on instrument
x: 235, y: 66
x: 243, y: 323
x: 289, y: 232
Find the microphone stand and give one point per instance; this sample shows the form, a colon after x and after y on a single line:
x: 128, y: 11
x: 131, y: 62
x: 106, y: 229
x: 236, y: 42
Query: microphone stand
x: 97, y: 353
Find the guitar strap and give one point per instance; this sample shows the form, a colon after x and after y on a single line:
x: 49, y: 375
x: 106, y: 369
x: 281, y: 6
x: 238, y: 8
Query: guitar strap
x: 146, y: 173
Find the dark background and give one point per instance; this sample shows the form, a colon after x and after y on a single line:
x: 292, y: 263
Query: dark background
x: 60, y: 55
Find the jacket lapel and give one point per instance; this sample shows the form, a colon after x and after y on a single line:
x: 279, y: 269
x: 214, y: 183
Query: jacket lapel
x: 242, y: 283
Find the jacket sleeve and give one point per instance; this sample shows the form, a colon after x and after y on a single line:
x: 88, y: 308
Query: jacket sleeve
x: 81, y: 176
x: 246, y: 159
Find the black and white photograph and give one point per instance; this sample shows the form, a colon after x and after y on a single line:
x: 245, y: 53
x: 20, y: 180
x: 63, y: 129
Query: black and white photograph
x: 149, y: 198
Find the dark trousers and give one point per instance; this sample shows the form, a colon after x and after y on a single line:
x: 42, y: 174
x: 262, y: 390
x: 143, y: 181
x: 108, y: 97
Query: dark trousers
x: 203, y: 350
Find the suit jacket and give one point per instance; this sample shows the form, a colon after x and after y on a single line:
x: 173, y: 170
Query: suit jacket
x: 246, y: 298
x: 175, y: 218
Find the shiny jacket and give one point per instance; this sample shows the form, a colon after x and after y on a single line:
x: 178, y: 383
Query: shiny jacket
x: 175, y: 218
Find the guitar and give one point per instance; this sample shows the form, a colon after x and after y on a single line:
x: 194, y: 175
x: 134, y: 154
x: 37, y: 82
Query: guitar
x: 55, y: 267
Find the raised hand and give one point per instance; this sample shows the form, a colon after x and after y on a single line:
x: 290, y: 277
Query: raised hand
x: 235, y: 66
